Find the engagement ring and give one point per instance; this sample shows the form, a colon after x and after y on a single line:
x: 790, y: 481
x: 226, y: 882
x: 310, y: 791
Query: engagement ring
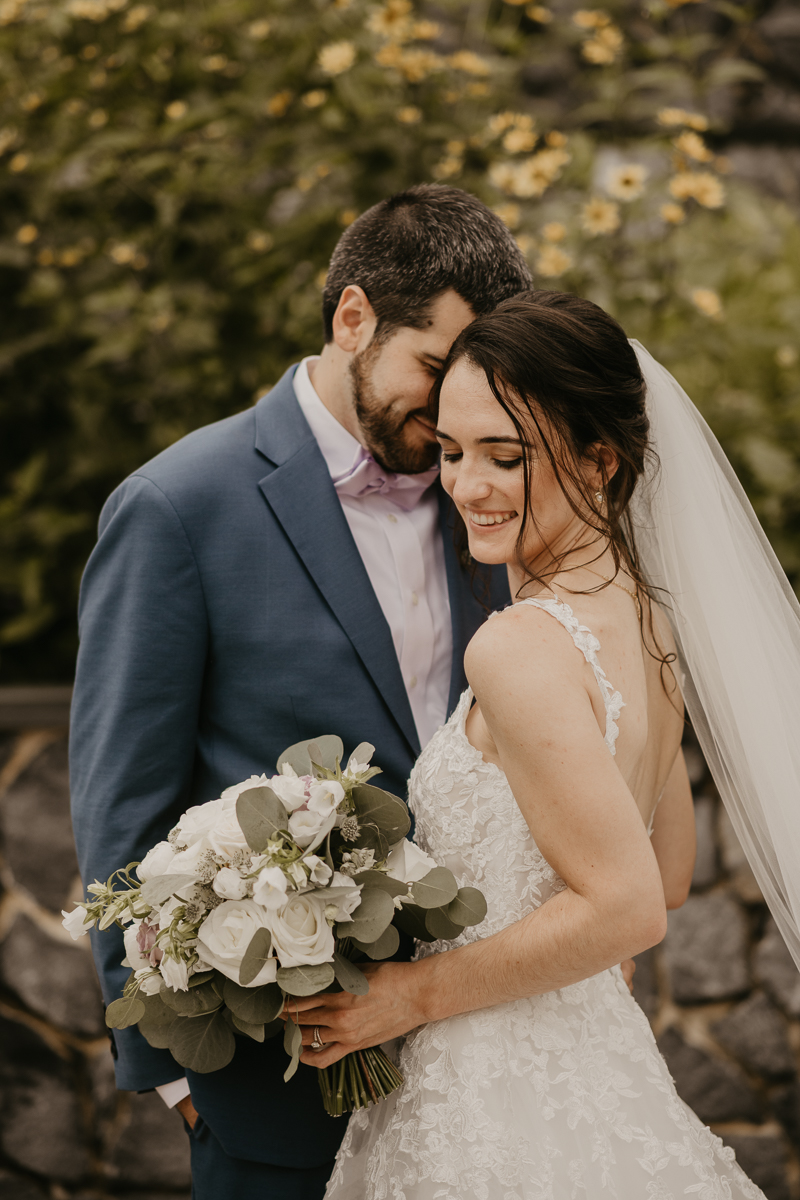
x: 317, y: 1043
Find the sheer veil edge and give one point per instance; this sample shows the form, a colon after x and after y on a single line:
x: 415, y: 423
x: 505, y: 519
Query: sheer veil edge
x: 736, y: 621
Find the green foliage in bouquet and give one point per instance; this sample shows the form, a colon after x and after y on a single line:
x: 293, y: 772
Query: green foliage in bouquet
x: 174, y: 176
x: 313, y: 834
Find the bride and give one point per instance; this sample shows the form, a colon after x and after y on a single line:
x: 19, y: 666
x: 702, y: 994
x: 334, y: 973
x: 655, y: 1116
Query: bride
x: 558, y: 786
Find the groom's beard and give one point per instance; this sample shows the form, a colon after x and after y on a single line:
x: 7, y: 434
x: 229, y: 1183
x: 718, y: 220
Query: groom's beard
x: 393, y: 438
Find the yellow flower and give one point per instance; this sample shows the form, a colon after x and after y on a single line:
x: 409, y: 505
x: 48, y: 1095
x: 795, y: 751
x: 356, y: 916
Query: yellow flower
x: 471, y: 64
x: 554, y: 231
x: 423, y: 31
x: 122, y: 253
x: 626, y: 182
x: 32, y: 101
x: 600, y: 216
x: 416, y: 65
x: 176, y: 110
x: 701, y: 186
x: 673, y: 213
x: 519, y: 141
x: 786, y: 356
x: 679, y: 116
x: 707, y: 302
x: 19, y: 162
x: 214, y: 62
x: 591, y: 18
x: 390, y: 55
x: 447, y: 167
x: 509, y: 214
x: 259, y: 241
x: 136, y: 17
x: 554, y: 138
x: 392, y: 21
x: 27, y: 234
x: 347, y: 216
x: 98, y: 118
x: 70, y: 257
x: 337, y: 57
x: 537, y: 12
x: 315, y: 98
x: 693, y: 146
x: 258, y: 30
x: 552, y: 262
x: 531, y: 177
x: 604, y: 47
x: 410, y: 115
x: 277, y: 105
x: 526, y: 243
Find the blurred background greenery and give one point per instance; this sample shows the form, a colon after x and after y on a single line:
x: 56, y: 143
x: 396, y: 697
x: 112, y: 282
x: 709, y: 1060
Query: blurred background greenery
x: 174, y: 177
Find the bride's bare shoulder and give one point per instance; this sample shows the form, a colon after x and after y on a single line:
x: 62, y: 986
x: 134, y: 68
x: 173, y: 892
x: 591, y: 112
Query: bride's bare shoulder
x: 521, y: 642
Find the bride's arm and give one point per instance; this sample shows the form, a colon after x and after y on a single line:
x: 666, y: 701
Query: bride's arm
x: 533, y: 694
x: 674, y: 841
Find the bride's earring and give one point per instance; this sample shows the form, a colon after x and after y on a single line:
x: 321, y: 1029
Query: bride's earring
x: 599, y: 497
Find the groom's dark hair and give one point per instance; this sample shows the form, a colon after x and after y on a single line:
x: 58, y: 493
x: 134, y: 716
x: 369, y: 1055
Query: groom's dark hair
x: 408, y: 249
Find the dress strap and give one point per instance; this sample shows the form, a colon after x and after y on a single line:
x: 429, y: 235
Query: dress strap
x: 588, y: 645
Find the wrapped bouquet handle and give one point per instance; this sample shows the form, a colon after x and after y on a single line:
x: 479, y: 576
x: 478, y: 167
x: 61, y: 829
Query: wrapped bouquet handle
x: 278, y: 889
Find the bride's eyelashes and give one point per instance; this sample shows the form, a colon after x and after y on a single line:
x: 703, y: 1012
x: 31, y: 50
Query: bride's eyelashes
x: 506, y: 464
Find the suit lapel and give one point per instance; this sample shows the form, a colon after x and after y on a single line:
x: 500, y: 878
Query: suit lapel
x: 302, y: 496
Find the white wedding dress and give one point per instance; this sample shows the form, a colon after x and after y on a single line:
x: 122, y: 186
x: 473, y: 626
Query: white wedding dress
x: 560, y: 1096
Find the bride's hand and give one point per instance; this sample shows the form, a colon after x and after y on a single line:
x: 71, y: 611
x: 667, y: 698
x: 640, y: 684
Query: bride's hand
x: 345, y: 1022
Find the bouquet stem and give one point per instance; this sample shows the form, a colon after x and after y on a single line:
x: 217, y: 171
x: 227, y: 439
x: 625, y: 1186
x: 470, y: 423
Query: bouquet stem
x: 358, y: 1080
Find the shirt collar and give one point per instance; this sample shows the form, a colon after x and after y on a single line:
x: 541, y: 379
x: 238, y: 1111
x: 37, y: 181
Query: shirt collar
x: 339, y: 448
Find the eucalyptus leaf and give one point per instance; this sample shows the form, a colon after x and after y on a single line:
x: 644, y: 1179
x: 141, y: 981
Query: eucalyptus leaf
x: 468, y: 908
x: 194, y: 1003
x: 411, y: 919
x: 436, y: 890
x: 156, y: 1012
x: 305, y: 980
x: 371, y: 917
x: 158, y: 1035
x: 123, y: 1013
x: 261, y: 815
x: 328, y: 746
x: 293, y: 1045
x: 375, y: 806
x: 256, y: 1032
x: 377, y: 879
x: 255, y: 956
x: 161, y: 887
x: 257, y: 1006
x: 383, y: 947
x: 440, y: 926
x: 363, y: 752
x: 349, y: 976
x: 202, y: 977
x: 371, y: 838
x: 203, y: 1045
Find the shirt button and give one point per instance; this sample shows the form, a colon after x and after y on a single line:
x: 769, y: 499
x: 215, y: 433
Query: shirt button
x: 392, y: 518
x: 412, y: 681
x: 414, y: 599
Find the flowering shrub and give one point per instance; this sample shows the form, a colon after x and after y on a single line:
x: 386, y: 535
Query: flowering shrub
x: 175, y: 176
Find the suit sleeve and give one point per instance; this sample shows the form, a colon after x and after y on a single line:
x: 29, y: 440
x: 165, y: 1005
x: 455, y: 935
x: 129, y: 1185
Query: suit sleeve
x: 143, y: 644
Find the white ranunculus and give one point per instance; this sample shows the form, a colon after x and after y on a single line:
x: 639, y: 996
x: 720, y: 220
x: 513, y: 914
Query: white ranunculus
x: 75, y: 922
x: 270, y: 888
x: 325, y: 795
x: 306, y: 826
x: 156, y: 861
x: 229, y: 884
x: 175, y: 974
x: 225, y: 935
x: 291, y: 790
x: 226, y: 837
x: 197, y: 822
x: 235, y: 791
x: 407, y: 863
x: 301, y: 934
x: 345, y: 904
x: 319, y: 871
x: 191, y: 861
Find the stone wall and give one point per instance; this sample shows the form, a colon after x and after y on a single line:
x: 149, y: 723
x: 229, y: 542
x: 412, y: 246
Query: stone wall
x: 722, y: 993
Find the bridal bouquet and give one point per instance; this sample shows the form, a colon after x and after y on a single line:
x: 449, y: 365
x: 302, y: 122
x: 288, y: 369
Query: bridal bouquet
x: 277, y: 889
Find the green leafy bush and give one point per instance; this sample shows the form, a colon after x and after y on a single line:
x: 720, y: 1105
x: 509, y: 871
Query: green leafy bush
x: 175, y: 176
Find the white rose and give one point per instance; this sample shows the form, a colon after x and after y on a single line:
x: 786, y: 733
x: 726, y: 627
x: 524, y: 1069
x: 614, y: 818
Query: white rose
x: 75, y: 922
x: 291, y: 790
x: 156, y: 861
x: 190, y: 862
x: 235, y: 791
x: 175, y: 974
x: 319, y: 871
x: 197, y: 822
x: 307, y: 827
x: 324, y: 796
x: 300, y: 933
x: 345, y: 905
x: 270, y: 888
x: 225, y: 935
x: 229, y: 884
x: 226, y: 837
x: 407, y: 863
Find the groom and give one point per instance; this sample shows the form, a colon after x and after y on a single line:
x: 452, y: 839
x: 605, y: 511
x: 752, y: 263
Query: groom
x: 287, y: 572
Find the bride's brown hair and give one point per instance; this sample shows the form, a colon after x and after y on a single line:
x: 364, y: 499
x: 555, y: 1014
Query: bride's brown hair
x: 568, y: 378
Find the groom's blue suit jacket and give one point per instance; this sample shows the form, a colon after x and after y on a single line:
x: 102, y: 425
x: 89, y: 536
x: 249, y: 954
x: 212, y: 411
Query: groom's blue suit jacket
x: 225, y: 614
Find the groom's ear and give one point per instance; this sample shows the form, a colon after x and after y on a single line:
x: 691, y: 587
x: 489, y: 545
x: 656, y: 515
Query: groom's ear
x: 354, y: 321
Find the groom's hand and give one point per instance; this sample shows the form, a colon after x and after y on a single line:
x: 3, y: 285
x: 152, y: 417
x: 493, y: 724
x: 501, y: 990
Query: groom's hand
x: 346, y: 1022
x: 187, y: 1111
